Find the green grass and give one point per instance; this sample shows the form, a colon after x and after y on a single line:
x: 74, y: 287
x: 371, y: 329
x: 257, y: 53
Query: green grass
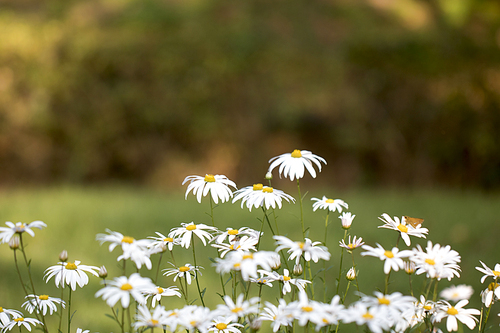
x: 74, y: 215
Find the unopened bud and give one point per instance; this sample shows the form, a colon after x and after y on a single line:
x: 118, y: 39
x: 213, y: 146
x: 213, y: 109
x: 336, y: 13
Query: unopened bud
x: 409, y: 267
x: 14, y: 242
x: 269, y: 175
x: 255, y: 324
x: 351, y: 274
x: 297, y: 270
x: 275, y: 262
x: 63, y: 256
x: 103, y: 273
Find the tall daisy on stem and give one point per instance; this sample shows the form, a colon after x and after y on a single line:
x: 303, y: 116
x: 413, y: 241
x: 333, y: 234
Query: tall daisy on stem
x: 294, y: 165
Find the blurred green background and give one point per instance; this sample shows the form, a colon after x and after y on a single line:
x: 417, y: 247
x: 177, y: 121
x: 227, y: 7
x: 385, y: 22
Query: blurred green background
x: 106, y: 105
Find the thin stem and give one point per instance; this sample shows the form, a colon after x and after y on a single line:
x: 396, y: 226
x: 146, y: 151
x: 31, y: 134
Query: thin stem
x: 340, y: 266
x: 212, y: 211
x: 482, y: 325
x: 356, y: 275
x: 301, y: 210
x: 196, y: 275
x: 158, y: 268
x: 324, y: 262
x: 386, y: 287
x: 69, y: 310
x: 62, y: 297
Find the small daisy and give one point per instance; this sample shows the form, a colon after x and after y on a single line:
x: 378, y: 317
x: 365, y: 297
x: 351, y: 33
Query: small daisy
x: 393, y: 258
x: 188, y: 229
x: 159, y: 292
x: 437, y: 261
x: 19, y: 228
x: 43, y: 302
x: 185, y: 271
x: 217, y: 185
x: 306, y: 310
x: 224, y: 325
x: 494, y: 273
x: 149, y: 319
x: 245, y: 192
x: 346, y: 220
x: 330, y: 204
x: 194, y: 318
x: 239, y: 309
x: 163, y: 242
x: 268, y: 197
x: 7, y: 314
x: 363, y: 315
x: 263, y: 280
x: 454, y: 314
x: 404, y: 228
x: 457, y: 293
x: 287, y: 280
x: 352, y: 245
x: 70, y: 273
x: 245, y: 262
x: 245, y: 244
x: 490, y: 294
x: 121, y: 288
x: 295, y: 163
x: 231, y: 234
x: 136, y: 250
x: 21, y: 321
x: 392, y: 305
x: 308, y: 249
x: 279, y: 315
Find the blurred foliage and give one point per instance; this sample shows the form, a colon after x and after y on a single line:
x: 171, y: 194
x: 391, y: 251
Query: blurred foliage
x: 389, y: 91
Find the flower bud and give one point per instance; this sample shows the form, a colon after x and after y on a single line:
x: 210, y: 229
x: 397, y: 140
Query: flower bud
x: 14, y: 242
x: 346, y: 219
x: 297, y: 270
x: 351, y: 274
x: 255, y: 324
x: 63, y: 256
x: 275, y: 261
x: 409, y: 267
x: 103, y: 273
x: 269, y: 175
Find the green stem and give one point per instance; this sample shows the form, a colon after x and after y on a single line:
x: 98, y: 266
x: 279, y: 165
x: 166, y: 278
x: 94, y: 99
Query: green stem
x: 356, y: 275
x: 69, y: 310
x: 482, y: 325
x: 158, y: 268
x: 61, y: 305
x: 196, y: 275
x: 386, y: 287
x: 324, y: 262
x: 340, y: 266
x: 301, y: 210
x: 212, y: 211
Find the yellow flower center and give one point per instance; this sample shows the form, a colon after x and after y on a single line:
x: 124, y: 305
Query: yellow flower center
x: 384, y: 301
x: 1, y: 309
x: 368, y: 316
x: 209, y: 178
x: 403, y: 228
x: 183, y: 269
x: 301, y: 245
x: 160, y: 290
x: 296, y: 153
x: 168, y: 239
x: 248, y: 256
x: 43, y: 297
x: 496, y: 273
x: 430, y: 261
x: 126, y: 286
x: 232, y: 232
x: 154, y: 322
x: 191, y: 227
x: 389, y: 254
x: 350, y: 245
x: 20, y: 228
x: 221, y: 326
x: 307, y: 308
x: 127, y: 239
x: 330, y: 201
x: 492, y: 286
x: 236, y: 310
x: 268, y: 190
x: 237, y: 265
x: 71, y: 266
x: 193, y: 322
x: 427, y: 307
x: 19, y: 319
x: 257, y: 187
x: 452, y: 311
x: 286, y: 278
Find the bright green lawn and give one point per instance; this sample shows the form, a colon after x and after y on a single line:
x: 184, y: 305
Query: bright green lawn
x: 465, y: 220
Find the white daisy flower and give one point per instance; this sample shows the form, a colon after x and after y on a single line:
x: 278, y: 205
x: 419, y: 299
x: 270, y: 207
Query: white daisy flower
x: 19, y: 228
x: 244, y: 244
x: 494, y: 273
x: 295, y: 163
x: 70, y: 273
x: 424, y: 307
x: 457, y: 293
x: 121, y: 288
x: 149, y: 319
x: 287, y: 280
x: 79, y: 330
x: 406, y: 230
x: 6, y: 315
x: 346, y: 219
x: 163, y: 242
x: 437, y: 261
x: 159, y: 292
x: 231, y: 234
x: 194, y: 318
x: 263, y: 280
x: 245, y: 192
x: 188, y: 229
x: 279, y: 315
x: 239, y: 309
x: 392, y: 305
x: 224, y: 325
x: 393, y: 258
x: 187, y: 271
x: 42, y: 302
x: 360, y: 314
x: 267, y: 197
x: 490, y: 294
x: 454, y: 314
x: 351, y: 245
x: 245, y: 262
x: 308, y: 249
x: 21, y: 321
x: 306, y: 310
x: 217, y: 185
x: 330, y: 204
